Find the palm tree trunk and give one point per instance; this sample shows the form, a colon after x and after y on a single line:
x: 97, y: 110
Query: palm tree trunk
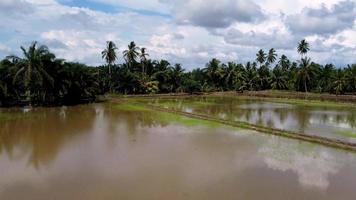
x: 305, y: 86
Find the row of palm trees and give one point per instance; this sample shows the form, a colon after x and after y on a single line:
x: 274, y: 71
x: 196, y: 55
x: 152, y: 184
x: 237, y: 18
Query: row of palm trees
x: 40, y: 78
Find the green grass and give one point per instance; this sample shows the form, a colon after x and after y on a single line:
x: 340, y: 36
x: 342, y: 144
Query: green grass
x: 316, y: 103
x: 186, y: 121
x: 350, y: 134
x: 295, y: 101
x: 130, y: 107
x: 166, y: 117
x: 10, y: 116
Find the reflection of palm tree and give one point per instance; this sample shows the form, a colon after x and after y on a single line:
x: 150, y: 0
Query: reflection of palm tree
x: 42, y: 134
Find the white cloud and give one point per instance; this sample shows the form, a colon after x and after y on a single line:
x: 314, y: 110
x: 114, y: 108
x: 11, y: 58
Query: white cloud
x: 197, y: 31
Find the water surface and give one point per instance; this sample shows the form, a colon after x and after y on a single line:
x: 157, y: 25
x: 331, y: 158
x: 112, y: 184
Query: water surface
x: 106, y: 152
x: 332, y: 121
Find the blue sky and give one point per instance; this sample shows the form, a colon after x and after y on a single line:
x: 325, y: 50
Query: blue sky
x: 190, y: 32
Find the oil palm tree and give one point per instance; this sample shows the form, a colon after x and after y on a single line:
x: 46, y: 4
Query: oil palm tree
x: 272, y: 56
x: 143, y: 58
x: 131, y: 54
x: 31, y: 68
x: 261, y: 57
x: 303, y: 47
x: 109, y: 54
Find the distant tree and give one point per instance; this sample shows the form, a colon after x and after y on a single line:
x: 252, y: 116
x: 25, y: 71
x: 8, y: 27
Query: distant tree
x: 305, y: 74
x: 31, y: 68
x: 131, y: 54
x: 284, y: 63
x: 303, y: 47
x: 279, y: 79
x: 143, y: 58
x: 339, y: 82
x: 261, y: 57
x: 109, y: 54
x: 272, y: 56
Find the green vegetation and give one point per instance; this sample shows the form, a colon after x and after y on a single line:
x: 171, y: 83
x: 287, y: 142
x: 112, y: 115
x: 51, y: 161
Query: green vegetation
x: 131, y: 107
x: 39, y: 78
x: 347, y: 134
x: 164, y: 117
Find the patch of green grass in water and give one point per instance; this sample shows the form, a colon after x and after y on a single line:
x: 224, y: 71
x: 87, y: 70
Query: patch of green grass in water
x: 314, y: 103
x: 186, y: 121
x: 130, y: 107
x: 350, y: 134
x: 10, y: 116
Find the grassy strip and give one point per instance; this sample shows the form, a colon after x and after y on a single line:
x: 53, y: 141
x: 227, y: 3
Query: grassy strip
x: 347, y: 134
x: 131, y: 107
x: 292, y: 99
x: 165, y: 117
x: 300, y: 136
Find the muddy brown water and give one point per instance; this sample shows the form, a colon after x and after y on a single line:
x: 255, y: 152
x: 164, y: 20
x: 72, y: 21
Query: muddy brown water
x: 93, y: 152
x: 326, y: 121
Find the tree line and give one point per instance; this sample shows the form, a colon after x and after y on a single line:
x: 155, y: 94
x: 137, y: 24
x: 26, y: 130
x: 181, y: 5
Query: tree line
x: 39, y: 78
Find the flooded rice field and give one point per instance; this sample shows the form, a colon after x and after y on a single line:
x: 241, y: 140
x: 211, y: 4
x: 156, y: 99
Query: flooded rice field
x: 122, y: 151
x: 331, y: 120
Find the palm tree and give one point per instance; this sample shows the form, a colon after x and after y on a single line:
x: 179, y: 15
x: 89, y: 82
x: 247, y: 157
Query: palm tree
x: 339, y: 82
x: 109, y: 54
x: 249, y: 77
x: 305, y: 73
x: 261, y: 57
x: 32, y: 68
x: 350, y: 75
x: 284, y: 62
x: 131, y: 54
x: 214, y: 72
x: 279, y: 79
x: 143, y: 58
x: 177, y: 74
x: 303, y: 47
x: 272, y: 56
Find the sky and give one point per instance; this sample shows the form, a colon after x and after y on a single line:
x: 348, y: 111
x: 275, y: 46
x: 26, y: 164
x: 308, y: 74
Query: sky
x: 190, y: 32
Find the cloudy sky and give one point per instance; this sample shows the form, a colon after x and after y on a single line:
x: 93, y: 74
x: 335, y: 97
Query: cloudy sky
x: 185, y: 31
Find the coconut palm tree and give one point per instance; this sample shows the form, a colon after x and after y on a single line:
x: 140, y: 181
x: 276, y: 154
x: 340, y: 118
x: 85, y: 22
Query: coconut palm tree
x: 131, y: 54
x: 350, y: 75
x: 303, y: 47
x: 305, y: 73
x: 214, y: 72
x: 339, y: 82
x: 279, y: 79
x: 143, y: 58
x: 176, y: 76
x: 272, y: 56
x: 109, y: 54
x: 261, y: 57
x: 31, y: 68
x: 284, y: 62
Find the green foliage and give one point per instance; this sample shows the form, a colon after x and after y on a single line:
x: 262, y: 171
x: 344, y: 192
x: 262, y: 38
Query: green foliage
x: 39, y: 78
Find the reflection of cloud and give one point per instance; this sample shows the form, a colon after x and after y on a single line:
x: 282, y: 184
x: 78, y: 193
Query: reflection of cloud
x: 312, y: 164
